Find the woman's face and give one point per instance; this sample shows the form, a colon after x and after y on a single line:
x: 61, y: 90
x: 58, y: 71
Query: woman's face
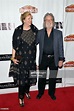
x: 28, y: 20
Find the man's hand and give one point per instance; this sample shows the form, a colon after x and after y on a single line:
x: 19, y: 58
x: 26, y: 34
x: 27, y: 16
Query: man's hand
x: 60, y: 64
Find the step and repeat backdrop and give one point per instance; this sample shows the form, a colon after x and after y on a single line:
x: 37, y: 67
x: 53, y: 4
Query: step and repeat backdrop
x: 10, y: 11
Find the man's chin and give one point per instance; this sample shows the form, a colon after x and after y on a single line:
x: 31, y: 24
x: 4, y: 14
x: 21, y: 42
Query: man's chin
x: 49, y: 27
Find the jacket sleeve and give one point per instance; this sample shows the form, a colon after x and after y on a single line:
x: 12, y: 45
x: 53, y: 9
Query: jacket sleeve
x: 37, y: 38
x: 14, y: 40
x: 61, y: 48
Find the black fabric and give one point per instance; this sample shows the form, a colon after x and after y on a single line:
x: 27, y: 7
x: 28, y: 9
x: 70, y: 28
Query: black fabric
x: 48, y: 43
x: 17, y: 33
x: 22, y: 90
x: 24, y: 45
x: 57, y: 44
x: 47, y: 62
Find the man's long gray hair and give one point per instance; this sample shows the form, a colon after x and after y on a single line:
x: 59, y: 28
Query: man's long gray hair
x: 48, y: 14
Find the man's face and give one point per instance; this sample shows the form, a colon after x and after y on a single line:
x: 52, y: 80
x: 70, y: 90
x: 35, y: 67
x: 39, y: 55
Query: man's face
x: 49, y: 21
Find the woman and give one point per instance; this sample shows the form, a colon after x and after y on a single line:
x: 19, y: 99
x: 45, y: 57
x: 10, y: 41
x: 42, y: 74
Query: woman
x: 23, y: 55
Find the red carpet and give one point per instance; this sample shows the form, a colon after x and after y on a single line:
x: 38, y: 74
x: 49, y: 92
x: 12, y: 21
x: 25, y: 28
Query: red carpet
x: 64, y: 101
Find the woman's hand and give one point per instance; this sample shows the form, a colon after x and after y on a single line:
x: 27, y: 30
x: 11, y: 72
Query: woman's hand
x: 15, y: 61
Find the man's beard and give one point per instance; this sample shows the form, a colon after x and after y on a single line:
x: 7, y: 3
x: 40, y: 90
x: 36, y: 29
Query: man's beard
x: 48, y: 25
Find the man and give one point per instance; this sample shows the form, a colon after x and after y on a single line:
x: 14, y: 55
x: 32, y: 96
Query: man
x: 50, y: 54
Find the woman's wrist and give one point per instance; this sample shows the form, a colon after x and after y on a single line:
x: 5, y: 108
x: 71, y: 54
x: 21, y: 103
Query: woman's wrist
x: 12, y: 58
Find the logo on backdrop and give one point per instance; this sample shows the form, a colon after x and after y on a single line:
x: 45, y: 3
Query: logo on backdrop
x: 58, y: 25
x: 29, y: 8
x: 5, y: 57
x: 7, y: 26
x: 69, y: 38
x: 70, y: 8
x: 69, y: 64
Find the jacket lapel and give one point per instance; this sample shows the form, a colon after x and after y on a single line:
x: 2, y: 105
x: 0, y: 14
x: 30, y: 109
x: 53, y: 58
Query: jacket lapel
x: 42, y: 40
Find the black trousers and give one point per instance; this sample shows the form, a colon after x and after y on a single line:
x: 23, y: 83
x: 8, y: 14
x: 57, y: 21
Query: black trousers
x: 47, y: 62
x: 22, y: 89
